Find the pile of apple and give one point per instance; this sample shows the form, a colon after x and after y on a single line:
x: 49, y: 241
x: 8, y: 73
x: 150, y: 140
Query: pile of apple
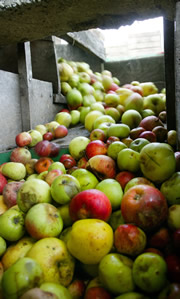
x: 102, y: 221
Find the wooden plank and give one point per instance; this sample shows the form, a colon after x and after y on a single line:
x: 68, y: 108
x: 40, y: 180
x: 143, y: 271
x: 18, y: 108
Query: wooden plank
x: 177, y: 70
x: 169, y: 73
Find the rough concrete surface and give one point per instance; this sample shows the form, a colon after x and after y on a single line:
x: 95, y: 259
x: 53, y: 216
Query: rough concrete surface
x: 22, y: 20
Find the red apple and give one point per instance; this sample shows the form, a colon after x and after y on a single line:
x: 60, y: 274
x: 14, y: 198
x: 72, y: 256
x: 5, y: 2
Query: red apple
x: 3, y: 182
x: 20, y: 154
x: 150, y: 122
x: 95, y: 147
x: 70, y: 170
x: 82, y: 163
x: 134, y: 133
x: 163, y: 116
x: 145, y: 206
x: 160, y: 238
x: 171, y: 291
x: 102, y: 166
x: 48, y: 136
x: 52, y: 175
x: 123, y: 177
x: 97, y: 293
x: 111, y: 139
x: 176, y: 239
x: 77, y: 288
x: 64, y: 110
x: 60, y: 132
x: 67, y: 160
x: 97, y: 134
x: 23, y: 139
x: 90, y: 203
x: 54, y: 149
x: 149, y: 135
x: 177, y: 157
x: 173, y: 265
x: 161, y: 133
x: 10, y: 193
x: 154, y: 250
x: 129, y: 239
x: 43, y: 148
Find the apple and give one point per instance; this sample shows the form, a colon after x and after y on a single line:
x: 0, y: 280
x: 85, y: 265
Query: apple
x: 82, y: 162
x: 163, y: 116
x: 98, y: 85
x: 105, y: 127
x: 90, y: 203
x: 132, y: 118
x: 123, y: 177
x: 97, y: 106
x: 97, y: 134
x: 155, y: 102
x: 114, y: 148
x: 52, y: 125
x: 85, y: 88
x: 147, y: 112
x: 132, y: 295
x: 12, y: 224
x: 128, y: 159
x: 171, y: 189
x: 137, y: 181
x: 88, y: 100
x: 119, y: 130
x: 106, y: 81
x: 148, y: 88
x: 150, y: 272
x: 3, y: 246
x: 134, y: 102
x: 32, y: 192
x: 171, y: 291
x: 77, y: 146
x: 90, y: 240
x: 99, y: 95
x: 95, y: 147
x: 145, y: 206
x: 90, y: 119
x: 111, y: 140
x: 54, y: 149
x: 149, y: 135
x: 65, y: 88
x: 63, y: 118
x: 36, y: 137
x: 177, y: 157
x: 160, y: 238
x: 57, y: 165
x: 172, y: 137
x: 58, y: 290
x: 54, y: 259
x: 74, y: 80
x: 134, y: 133
x: 173, y: 266
x: 86, y: 179
x: 115, y: 273
x: 30, y: 166
x: 176, y: 239
x: 60, y: 131
x: 97, y: 293
x: 113, y: 112
x: 67, y: 160
x: 111, y: 99
x: 116, y: 219
x: 20, y: 154
x: 65, y: 71
x: 138, y: 144
x: 42, y: 164
x: 51, y: 175
x: 150, y: 122
x: 48, y: 136
x: 41, y: 128
x: 123, y: 94
x: 102, y: 166
x: 37, y: 226
x: 3, y: 182
x: 113, y: 190
x: 161, y: 133
x: 25, y: 274
x: 129, y: 239
x: 75, y: 117
x: 10, y: 193
x: 67, y: 221
x: 43, y: 148
x: 23, y: 139
x: 173, y: 219
x: 37, y: 293
x: 157, y: 161
x: 64, y: 188
x: 74, y: 98
x: 14, y: 170
x: 103, y: 119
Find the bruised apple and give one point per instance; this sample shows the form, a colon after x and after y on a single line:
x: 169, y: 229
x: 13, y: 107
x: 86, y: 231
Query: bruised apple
x: 102, y: 166
x: 145, y: 206
x: 20, y: 154
x: 90, y: 204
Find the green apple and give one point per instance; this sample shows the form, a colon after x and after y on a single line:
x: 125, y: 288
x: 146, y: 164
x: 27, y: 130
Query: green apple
x: 60, y: 291
x: 42, y: 175
x: 36, y: 137
x: 12, y: 224
x: 87, y: 179
x: 171, y: 189
x: 134, y: 102
x: 88, y: 100
x: 113, y: 112
x: 115, y: 273
x: 74, y: 80
x: 41, y: 128
x: 150, y: 272
x: 132, y: 118
x: 65, y: 71
x: 105, y: 127
x: 90, y: 119
x: 128, y: 159
x: 138, y: 144
x: 116, y: 80
x: 65, y: 88
x: 97, y: 106
x: 85, y: 88
x: 83, y: 112
x: 64, y: 188
x: 111, y: 99
x: 64, y: 212
x: 32, y: 192
x: 99, y: 95
x: 137, y: 181
x: 102, y: 119
x: 155, y: 102
x: 173, y: 217
x: 75, y: 117
x: 24, y: 275
x: 113, y: 190
x: 98, y: 85
x: 148, y: 88
x: 52, y: 125
x: 77, y: 146
x: 123, y: 94
x: 116, y: 219
x: 132, y: 295
x: 14, y: 170
x: 106, y: 81
x: 114, y: 148
x: 157, y: 161
x: 119, y: 130
x: 3, y: 246
x: 57, y: 165
x: 63, y: 118
x: 147, y: 112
